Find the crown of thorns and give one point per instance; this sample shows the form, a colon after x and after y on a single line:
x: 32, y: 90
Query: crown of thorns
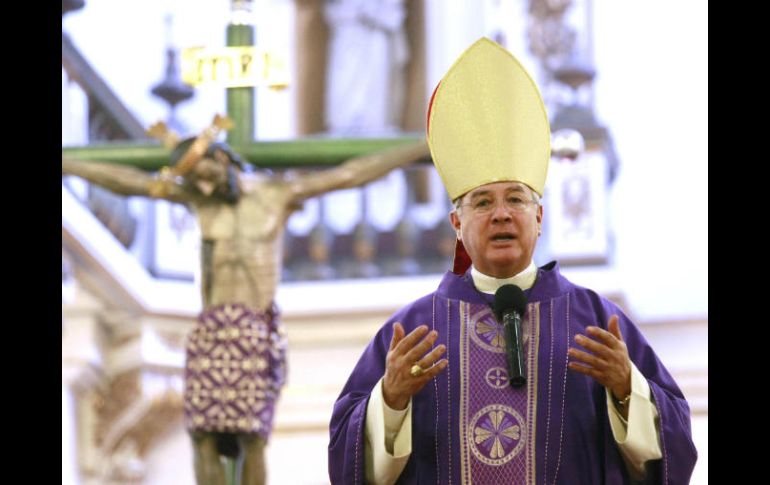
x: 191, y: 156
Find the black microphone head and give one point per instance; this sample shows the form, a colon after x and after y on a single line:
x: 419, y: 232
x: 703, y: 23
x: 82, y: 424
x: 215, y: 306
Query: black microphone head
x: 509, y: 297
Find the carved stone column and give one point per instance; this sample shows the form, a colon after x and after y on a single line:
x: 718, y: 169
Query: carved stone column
x: 82, y: 383
x: 312, y: 36
x: 144, y: 362
x: 121, y: 389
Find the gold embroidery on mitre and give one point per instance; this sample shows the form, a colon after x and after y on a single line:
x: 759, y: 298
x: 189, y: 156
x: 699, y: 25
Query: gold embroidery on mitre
x: 487, y: 122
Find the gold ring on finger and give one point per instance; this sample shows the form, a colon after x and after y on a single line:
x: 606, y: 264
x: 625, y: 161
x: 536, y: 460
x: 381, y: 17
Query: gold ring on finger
x: 416, y: 370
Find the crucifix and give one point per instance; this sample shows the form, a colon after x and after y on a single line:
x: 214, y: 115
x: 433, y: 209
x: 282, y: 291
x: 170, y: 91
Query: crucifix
x: 235, y: 355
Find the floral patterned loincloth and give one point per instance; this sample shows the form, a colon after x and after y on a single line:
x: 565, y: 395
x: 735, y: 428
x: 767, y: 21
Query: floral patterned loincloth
x: 234, y: 370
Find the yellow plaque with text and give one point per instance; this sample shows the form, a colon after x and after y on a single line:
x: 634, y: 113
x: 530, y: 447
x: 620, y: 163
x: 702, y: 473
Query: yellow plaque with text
x: 234, y: 67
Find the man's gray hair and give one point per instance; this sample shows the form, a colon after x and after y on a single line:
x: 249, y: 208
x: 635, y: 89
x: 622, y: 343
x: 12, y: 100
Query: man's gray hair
x: 533, y: 194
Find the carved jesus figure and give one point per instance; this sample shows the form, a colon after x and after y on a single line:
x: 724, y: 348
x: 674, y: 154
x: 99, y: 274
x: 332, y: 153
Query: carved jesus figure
x: 235, y: 355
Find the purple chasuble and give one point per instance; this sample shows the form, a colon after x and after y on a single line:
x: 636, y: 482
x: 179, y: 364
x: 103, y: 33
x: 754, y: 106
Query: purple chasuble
x: 234, y: 368
x: 470, y: 426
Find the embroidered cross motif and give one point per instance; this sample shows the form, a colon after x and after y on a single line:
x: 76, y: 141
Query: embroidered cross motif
x: 497, y: 377
x: 498, y: 434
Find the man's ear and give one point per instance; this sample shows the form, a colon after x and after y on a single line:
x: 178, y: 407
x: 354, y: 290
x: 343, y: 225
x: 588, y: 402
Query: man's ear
x: 539, y: 215
x: 455, y: 220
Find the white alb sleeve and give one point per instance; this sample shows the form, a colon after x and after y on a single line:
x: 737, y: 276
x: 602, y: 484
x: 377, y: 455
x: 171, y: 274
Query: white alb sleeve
x: 639, y: 438
x: 388, y: 439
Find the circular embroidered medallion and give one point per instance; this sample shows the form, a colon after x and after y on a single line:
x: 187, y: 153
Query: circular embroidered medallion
x: 496, y: 434
x: 486, y: 332
x: 497, y: 377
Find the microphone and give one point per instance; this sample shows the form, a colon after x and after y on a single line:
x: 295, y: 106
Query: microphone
x: 509, y: 306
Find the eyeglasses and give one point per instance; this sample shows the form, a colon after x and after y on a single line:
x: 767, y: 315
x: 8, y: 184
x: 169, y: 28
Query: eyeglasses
x: 513, y: 203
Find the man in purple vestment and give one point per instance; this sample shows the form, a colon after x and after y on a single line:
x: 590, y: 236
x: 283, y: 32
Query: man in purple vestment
x: 430, y: 399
